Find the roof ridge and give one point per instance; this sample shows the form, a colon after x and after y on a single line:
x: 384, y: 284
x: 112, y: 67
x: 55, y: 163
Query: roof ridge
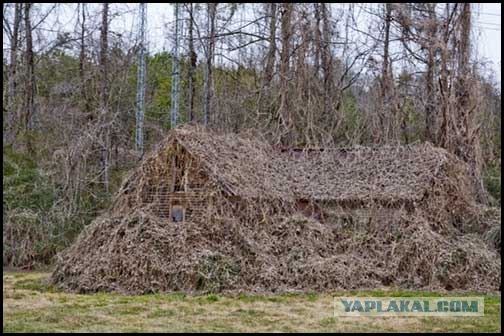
x: 250, y: 167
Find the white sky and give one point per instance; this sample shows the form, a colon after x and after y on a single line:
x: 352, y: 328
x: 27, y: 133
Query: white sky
x: 486, y: 31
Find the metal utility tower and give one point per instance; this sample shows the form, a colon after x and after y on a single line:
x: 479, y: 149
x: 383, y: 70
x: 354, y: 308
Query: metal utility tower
x: 140, y: 112
x: 206, y: 89
x: 175, y: 70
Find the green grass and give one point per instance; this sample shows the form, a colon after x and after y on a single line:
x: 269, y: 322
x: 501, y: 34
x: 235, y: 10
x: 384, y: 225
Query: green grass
x: 31, y: 305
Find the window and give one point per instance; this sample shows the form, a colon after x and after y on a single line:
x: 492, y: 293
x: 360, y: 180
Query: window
x: 177, y: 213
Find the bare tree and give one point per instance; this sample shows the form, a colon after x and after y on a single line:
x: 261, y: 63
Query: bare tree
x: 430, y: 126
x: 270, y: 57
x: 420, y: 24
x: 29, y: 103
x: 175, y: 70
x: 467, y: 129
x: 192, y: 63
x: 444, y: 89
x: 326, y: 55
x: 11, y: 97
x: 387, y: 110
x: 317, y: 38
x: 464, y: 71
x: 82, y: 61
x: 104, y: 113
x: 210, y: 51
x: 284, y: 109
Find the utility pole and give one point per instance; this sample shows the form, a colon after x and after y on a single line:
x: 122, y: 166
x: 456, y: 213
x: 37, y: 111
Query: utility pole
x: 192, y: 64
x: 210, y: 47
x: 175, y: 71
x: 140, y: 112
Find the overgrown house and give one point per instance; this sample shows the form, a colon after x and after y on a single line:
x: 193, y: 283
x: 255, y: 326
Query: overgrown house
x: 220, y: 212
x: 194, y: 171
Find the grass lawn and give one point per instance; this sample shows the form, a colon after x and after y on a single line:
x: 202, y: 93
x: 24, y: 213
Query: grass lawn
x: 29, y: 305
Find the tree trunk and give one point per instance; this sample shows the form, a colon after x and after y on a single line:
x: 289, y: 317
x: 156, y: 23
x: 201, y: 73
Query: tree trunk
x: 270, y: 58
x: 29, y: 106
x: 11, y: 97
x: 443, y: 86
x: 284, y: 111
x: 82, y: 61
x: 317, y: 40
x: 212, y: 11
x: 326, y: 59
x: 468, y: 137
x: 103, y: 59
x: 430, y: 127
x: 192, y: 65
x: 104, y: 115
x: 462, y: 91
x: 175, y: 72
x: 385, y: 111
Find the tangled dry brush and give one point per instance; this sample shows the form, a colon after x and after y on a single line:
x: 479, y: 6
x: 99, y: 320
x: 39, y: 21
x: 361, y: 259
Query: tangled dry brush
x: 255, y: 239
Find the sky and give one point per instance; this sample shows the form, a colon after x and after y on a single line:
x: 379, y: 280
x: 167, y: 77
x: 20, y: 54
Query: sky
x: 486, y: 31
x: 486, y: 27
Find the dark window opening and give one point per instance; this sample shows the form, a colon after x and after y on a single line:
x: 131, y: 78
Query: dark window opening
x: 178, y: 172
x: 178, y: 185
x: 177, y: 213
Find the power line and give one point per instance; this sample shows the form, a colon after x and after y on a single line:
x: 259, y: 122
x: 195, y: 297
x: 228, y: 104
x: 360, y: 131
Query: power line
x: 492, y: 14
x: 488, y: 28
x: 489, y: 23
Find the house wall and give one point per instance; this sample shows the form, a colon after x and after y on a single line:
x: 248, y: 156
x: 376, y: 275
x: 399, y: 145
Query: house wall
x: 178, y: 168
x: 162, y: 194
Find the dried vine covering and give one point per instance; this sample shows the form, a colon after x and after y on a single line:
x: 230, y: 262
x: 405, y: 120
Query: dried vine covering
x: 371, y: 217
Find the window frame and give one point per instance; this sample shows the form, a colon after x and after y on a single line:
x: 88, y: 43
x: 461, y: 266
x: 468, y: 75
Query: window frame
x: 180, y: 207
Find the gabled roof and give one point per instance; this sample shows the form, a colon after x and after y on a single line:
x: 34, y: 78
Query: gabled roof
x: 245, y: 167
x: 389, y: 173
x: 250, y: 168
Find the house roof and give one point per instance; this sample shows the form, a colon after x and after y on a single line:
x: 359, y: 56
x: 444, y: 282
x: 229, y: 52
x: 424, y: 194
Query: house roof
x: 251, y: 168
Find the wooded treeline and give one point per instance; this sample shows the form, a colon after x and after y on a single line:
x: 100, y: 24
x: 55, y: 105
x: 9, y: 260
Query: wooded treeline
x: 311, y: 74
